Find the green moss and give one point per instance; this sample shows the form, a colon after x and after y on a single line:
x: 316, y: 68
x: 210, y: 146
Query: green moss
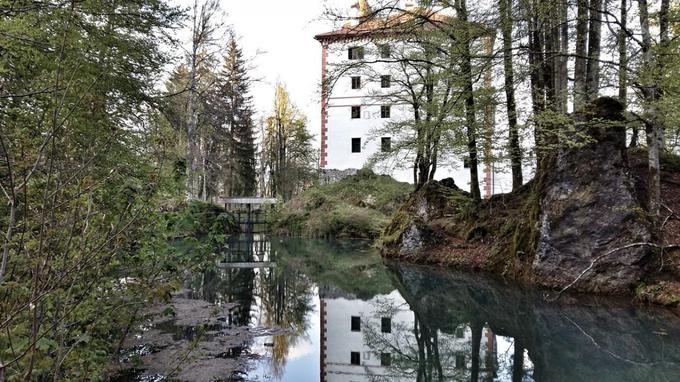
x: 401, y: 221
x: 443, y: 205
x: 663, y: 292
x: 358, y: 206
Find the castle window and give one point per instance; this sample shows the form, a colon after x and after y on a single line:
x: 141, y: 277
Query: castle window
x: 386, y: 322
x: 355, y: 358
x: 384, y: 111
x: 460, y: 361
x: 356, y: 53
x: 356, y: 82
x: 385, y: 359
x: 356, y: 112
x: 385, y: 51
x: 385, y: 81
x: 356, y: 148
x: 356, y: 321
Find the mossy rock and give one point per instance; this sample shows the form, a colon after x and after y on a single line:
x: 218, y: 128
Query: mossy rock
x: 666, y: 293
x: 358, y: 206
x: 432, y: 202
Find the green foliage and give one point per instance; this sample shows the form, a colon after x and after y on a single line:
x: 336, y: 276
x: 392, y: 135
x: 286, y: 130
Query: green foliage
x: 87, y: 165
x: 287, y: 157
x: 200, y: 220
x: 358, y: 206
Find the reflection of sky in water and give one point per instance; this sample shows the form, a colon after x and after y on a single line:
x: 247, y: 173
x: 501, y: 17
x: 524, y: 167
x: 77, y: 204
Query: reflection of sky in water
x: 303, y: 358
x: 505, y: 350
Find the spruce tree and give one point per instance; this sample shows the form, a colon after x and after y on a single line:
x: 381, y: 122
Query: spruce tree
x: 234, y: 91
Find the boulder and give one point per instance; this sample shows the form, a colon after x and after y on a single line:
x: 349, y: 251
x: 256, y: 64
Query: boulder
x: 589, y: 211
x: 410, y: 232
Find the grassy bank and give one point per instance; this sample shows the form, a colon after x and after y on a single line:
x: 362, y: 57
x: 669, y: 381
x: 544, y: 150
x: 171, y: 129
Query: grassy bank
x: 448, y: 228
x: 359, y: 206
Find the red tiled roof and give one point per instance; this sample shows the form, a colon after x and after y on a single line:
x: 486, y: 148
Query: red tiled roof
x: 405, y: 22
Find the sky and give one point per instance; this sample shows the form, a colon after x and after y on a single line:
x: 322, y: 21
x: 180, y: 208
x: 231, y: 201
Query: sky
x: 278, y: 36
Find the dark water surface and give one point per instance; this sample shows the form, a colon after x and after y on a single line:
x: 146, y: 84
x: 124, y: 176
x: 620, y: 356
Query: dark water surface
x: 309, y: 310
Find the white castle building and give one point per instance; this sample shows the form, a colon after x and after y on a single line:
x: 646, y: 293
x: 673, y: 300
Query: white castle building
x: 360, y: 76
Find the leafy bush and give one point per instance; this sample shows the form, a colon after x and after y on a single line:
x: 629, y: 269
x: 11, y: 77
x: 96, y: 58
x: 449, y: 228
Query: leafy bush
x: 201, y: 220
x: 358, y: 206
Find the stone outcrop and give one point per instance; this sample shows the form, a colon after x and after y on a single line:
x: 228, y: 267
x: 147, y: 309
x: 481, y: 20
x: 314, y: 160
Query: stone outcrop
x: 581, y: 224
x: 329, y: 176
x: 589, y: 211
x: 411, y: 230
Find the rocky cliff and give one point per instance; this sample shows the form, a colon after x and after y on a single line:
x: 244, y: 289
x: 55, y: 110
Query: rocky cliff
x: 580, y: 225
x: 589, y: 213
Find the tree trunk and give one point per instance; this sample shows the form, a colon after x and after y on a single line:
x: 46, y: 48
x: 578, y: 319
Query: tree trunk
x: 594, y: 42
x: 664, y: 40
x: 514, y: 147
x: 489, y: 115
x: 581, y: 54
x: 192, y: 117
x: 652, y: 127
x: 536, y: 59
x: 623, y: 64
x: 564, y: 56
x: 192, y: 189
x: 551, y: 45
x: 477, y: 329
x: 518, y: 361
x: 8, y: 239
x: 470, y: 114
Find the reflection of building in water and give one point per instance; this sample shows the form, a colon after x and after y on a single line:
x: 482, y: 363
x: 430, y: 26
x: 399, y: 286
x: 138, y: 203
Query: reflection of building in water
x: 382, y: 340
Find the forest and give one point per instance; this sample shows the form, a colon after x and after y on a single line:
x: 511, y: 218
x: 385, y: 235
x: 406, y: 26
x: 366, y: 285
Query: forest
x: 113, y: 150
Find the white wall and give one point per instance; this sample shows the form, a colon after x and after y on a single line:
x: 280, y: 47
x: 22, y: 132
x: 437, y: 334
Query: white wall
x: 341, y: 128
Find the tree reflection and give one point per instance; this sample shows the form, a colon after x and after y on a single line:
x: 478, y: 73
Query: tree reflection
x: 286, y: 297
x: 228, y: 286
x: 419, y: 352
x: 265, y: 295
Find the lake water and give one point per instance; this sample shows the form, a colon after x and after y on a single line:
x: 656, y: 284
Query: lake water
x: 333, y: 311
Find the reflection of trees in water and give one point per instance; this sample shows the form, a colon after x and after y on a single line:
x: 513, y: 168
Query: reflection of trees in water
x: 232, y: 285
x: 417, y: 352
x: 286, y: 297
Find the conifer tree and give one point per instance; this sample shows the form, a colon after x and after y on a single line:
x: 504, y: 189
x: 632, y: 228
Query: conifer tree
x: 234, y: 88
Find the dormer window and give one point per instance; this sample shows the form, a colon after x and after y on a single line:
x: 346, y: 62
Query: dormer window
x: 356, y: 53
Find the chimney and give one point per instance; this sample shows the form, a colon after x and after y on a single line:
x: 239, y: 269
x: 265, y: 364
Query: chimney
x: 363, y: 7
